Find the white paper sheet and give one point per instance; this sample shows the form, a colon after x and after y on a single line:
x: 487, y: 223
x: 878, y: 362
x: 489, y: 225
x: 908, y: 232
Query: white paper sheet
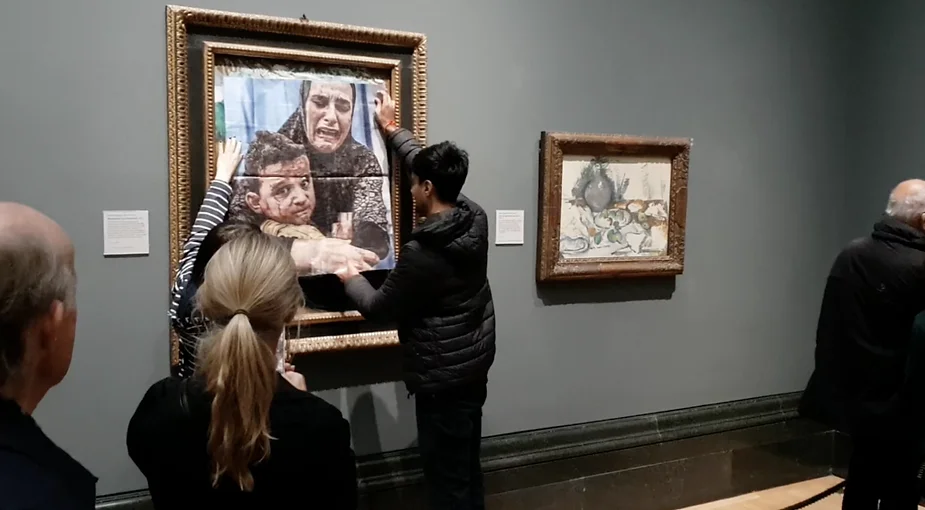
x: 125, y: 233
x: 509, y: 227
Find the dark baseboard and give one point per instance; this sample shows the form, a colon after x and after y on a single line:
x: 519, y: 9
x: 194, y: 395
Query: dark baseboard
x: 396, y: 469
x: 659, y: 461
x: 134, y: 500
x: 759, y: 434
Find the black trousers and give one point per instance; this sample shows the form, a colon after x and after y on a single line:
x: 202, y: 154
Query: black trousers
x: 449, y: 437
x: 883, y: 470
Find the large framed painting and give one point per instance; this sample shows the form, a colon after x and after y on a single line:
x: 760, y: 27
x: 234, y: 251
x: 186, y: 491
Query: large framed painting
x: 611, y: 206
x: 300, y: 97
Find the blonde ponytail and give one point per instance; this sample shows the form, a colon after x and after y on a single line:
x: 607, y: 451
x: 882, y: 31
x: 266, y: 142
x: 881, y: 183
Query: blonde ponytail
x: 250, y: 291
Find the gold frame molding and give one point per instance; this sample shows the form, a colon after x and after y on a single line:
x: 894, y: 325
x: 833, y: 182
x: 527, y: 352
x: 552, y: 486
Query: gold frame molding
x: 179, y: 22
x: 553, y: 148
x: 340, y: 342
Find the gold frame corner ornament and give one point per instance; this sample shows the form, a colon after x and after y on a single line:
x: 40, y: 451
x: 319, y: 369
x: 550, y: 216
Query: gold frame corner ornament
x: 179, y: 21
x: 554, y: 147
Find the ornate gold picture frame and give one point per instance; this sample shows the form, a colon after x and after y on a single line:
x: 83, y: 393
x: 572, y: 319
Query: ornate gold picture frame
x: 201, y: 42
x: 611, y: 206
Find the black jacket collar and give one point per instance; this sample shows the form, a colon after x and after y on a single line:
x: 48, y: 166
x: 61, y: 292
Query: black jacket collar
x: 460, y: 232
x: 21, y: 434
x: 892, y: 230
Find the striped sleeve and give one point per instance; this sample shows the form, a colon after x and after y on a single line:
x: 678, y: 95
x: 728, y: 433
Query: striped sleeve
x: 211, y: 214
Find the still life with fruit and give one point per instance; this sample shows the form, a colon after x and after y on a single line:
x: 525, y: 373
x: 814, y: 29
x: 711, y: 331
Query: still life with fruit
x: 614, y: 207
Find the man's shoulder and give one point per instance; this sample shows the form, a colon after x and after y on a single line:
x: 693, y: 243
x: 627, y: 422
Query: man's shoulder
x: 870, y: 261
x: 856, y: 248
x: 868, y: 247
x: 26, y: 483
x: 31, y: 462
x: 420, y: 258
x: 473, y: 205
x: 858, y: 243
x: 412, y: 248
x: 16, y: 465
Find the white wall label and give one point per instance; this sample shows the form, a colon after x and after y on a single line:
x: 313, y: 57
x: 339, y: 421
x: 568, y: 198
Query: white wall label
x: 509, y: 227
x: 125, y: 233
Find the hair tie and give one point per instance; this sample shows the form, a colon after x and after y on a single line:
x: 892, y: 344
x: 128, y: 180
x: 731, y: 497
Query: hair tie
x: 240, y: 312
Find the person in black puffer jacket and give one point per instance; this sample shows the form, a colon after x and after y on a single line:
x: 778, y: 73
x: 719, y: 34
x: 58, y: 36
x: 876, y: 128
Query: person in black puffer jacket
x: 440, y: 297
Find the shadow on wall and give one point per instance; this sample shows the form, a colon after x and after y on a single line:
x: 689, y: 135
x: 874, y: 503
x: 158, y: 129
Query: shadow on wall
x: 333, y: 370
x: 606, y: 291
x: 372, y: 418
x: 356, y: 381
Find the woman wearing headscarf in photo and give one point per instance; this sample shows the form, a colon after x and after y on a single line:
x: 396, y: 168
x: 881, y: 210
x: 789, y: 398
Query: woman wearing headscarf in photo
x: 349, y: 178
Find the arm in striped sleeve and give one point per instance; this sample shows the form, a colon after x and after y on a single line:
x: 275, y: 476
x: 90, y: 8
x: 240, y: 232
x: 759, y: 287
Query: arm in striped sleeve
x: 211, y: 214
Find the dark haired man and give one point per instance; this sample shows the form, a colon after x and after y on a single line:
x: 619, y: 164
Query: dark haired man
x: 439, y: 294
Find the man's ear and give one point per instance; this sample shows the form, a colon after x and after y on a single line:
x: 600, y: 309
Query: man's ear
x: 253, y: 201
x: 428, y: 187
x: 50, y: 324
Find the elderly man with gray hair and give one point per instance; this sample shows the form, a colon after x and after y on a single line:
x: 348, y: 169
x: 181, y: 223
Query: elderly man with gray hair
x: 38, y: 318
x: 862, y: 384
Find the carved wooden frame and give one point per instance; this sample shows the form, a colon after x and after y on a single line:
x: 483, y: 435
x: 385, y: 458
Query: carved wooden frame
x: 180, y: 20
x: 550, y: 267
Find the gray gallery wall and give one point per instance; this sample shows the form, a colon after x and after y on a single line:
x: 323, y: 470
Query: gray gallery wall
x: 887, y: 130
x: 83, y: 129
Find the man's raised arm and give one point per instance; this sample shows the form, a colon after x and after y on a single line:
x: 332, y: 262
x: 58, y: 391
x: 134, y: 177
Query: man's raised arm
x: 400, y: 140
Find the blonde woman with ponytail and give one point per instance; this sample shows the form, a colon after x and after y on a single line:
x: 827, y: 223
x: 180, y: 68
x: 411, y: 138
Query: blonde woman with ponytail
x: 238, y: 434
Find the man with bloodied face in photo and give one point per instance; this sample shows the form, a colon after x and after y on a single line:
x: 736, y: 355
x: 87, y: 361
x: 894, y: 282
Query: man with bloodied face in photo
x: 277, y: 187
x: 277, y: 194
x: 348, y: 177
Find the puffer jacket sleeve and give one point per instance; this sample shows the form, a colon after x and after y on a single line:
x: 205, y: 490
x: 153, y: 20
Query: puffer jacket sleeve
x: 406, y: 147
x: 401, y: 293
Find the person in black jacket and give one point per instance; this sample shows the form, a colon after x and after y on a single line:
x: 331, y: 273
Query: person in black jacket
x: 38, y: 317
x: 238, y: 434
x: 860, y: 385
x: 439, y: 294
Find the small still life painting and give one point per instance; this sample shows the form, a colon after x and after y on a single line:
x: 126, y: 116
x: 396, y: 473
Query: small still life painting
x: 615, y: 207
x: 611, y: 206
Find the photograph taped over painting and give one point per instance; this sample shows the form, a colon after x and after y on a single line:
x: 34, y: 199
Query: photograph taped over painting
x: 315, y: 164
x: 614, y: 207
x: 201, y: 43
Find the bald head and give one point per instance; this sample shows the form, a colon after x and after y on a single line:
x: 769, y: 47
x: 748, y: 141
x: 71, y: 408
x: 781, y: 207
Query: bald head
x: 37, y: 284
x: 20, y: 223
x: 907, y: 202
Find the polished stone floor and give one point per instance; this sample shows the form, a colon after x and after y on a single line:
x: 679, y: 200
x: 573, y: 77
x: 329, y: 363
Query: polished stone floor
x: 780, y: 497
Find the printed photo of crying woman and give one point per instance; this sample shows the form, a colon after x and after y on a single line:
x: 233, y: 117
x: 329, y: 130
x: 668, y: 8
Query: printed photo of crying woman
x: 315, y: 166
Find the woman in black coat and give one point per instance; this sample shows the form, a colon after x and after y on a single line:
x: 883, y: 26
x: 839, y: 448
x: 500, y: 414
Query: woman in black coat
x: 238, y: 434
